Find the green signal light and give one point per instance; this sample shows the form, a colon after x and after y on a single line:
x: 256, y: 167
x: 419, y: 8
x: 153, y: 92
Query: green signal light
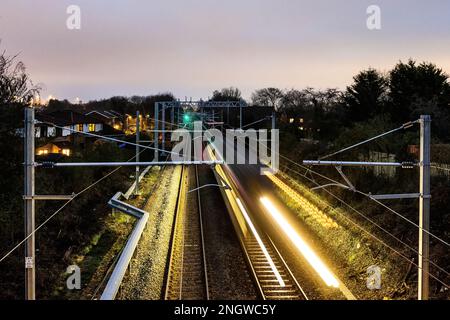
x: 186, y: 118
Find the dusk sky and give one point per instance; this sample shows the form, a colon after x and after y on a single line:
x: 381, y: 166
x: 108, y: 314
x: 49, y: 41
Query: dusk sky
x: 191, y: 47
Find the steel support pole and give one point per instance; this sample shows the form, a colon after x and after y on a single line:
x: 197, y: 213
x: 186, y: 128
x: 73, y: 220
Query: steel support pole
x: 424, y: 207
x: 274, y: 162
x: 240, y: 116
x: 138, y: 127
x: 163, y: 127
x: 155, y: 132
x: 274, y: 120
x: 201, y: 114
x: 351, y: 163
x: 127, y: 164
x: 29, y: 205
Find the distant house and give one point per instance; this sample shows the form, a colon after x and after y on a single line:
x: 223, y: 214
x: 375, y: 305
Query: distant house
x: 66, y: 123
x: 111, y: 118
x: 129, y: 124
x: 303, y: 124
x: 52, y: 149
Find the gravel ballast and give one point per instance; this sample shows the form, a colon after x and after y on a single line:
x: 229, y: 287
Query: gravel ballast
x: 145, y: 280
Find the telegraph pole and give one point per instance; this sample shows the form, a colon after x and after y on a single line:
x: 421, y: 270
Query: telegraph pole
x: 29, y: 205
x: 138, y: 124
x: 424, y: 208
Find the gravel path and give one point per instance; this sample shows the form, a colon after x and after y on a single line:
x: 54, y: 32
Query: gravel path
x: 146, y: 278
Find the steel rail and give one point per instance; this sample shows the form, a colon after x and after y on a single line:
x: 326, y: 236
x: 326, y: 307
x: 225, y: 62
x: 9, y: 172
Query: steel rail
x: 240, y: 236
x: 266, y: 291
x: 172, y: 244
x: 184, y: 246
x: 202, y: 235
x: 288, y: 269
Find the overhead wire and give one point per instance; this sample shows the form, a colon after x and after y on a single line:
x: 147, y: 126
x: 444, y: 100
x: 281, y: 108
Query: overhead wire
x: 371, y: 198
x: 375, y: 237
x: 369, y: 220
x: 106, y: 138
x: 76, y: 195
x: 404, y: 126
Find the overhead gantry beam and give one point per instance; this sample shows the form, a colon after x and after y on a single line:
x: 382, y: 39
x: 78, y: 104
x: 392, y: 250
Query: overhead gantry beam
x: 124, y: 164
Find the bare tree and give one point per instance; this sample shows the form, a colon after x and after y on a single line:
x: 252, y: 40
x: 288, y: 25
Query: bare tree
x: 268, y: 97
x: 294, y: 100
x: 15, y: 85
x: 227, y: 94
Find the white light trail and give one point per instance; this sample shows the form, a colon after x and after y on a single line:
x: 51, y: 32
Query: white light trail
x: 301, y: 245
x: 261, y: 244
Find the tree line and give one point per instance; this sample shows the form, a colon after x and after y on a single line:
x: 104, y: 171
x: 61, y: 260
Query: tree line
x: 411, y: 88
x: 402, y: 94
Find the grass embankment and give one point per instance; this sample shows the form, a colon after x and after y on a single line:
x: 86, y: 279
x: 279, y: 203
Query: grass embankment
x: 352, y: 249
x: 96, y: 260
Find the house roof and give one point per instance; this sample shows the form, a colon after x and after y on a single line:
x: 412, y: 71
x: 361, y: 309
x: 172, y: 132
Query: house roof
x: 67, y: 117
x: 47, y: 146
x: 101, y: 114
x: 115, y: 113
x: 62, y: 144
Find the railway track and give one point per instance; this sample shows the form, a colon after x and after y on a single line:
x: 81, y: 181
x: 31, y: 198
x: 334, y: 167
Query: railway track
x: 187, y: 277
x: 272, y: 286
x: 271, y: 274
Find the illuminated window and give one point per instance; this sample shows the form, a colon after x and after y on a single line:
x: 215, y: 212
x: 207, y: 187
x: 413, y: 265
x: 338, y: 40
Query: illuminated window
x: 291, y: 120
x: 66, y: 152
x: 80, y: 127
x: 91, y: 127
x: 42, y: 151
x: 301, y: 120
